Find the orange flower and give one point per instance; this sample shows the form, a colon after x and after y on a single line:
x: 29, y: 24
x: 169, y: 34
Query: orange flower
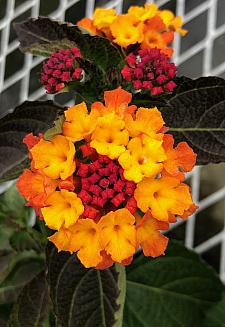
x: 87, y: 24
x: 115, y: 101
x: 103, y: 18
x: 143, y: 13
x: 109, y: 137
x: 35, y: 187
x: 55, y: 158
x: 164, y: 197
x: 61, y: 239
x: 142, y: 159
x: 30, y: 140
x: 126, y: 30
x: 63, y: 208
x: 153, y: 243
x: 147, y: 121
x: 180, y: 159
x: 172, y: 22
x: 118, y: 235
x: 86, y: 240
x: 79, y: 123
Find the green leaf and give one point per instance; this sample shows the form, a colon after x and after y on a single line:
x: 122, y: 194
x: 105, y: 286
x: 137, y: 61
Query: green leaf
x: 215, y: 317
x: 43, y: 36
x: 171, y: 291
x: 29, y: 117
x: 195, y: 113
x: 56, y: 129
x: 13, y: 209
x: 17, y: 271
x: 25, y: 240
x: 85, y: 297
x: 32, y: 305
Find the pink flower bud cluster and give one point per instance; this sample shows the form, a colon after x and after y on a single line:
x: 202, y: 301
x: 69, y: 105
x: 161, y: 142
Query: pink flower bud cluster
x: 150, y: 70
x: 102, y: 182
x: 61, y: 68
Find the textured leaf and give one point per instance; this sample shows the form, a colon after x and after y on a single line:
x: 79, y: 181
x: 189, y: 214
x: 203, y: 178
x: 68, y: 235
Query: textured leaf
x: 171, y: 291
x: 31, y: 307
x: 24, y: 240
x: 43, y: 36
x: 196, y: 114
x: 216, y: 315
x: 85, y: 297
x: 29, y: 117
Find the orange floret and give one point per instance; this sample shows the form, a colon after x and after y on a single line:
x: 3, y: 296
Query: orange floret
x: 143, y: 158
x: 153, y: 243
x: 115, y: 101
x: 126, y: 30
x: 79, y: 123
x: 63, y: 208
x: 165, y: 196
x: 55, y: 158
x: 179, y: 159
x: 35, y: 187
x: 118, y: 235
x: 143, y: 13
x: 87, y: 24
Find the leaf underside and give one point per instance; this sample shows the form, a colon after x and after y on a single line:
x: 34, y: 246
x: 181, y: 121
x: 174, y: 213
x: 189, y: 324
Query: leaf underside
x: 84, y: 297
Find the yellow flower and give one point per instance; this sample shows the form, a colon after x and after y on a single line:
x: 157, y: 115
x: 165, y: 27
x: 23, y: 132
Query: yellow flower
x: 118, y: 235
x: 55, y: 157
x: 147, y: 121
x: 142, y: 159
x: 103, y: 17
x: 109, y: 137
x: 126, y: 30
x: 143, y: 13
x: 172, y: 22
x: 86, y: 240
x: 61, y: 239
x: 153, y: 243
x: 79, y: 123
x: 165, y: 196
x: 63, y: 208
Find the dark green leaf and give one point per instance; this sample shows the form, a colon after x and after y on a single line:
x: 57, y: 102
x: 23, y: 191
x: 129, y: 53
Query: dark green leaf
x: 32, y: 305
x: 29, y: 117
x: 43, y: 36
x: 215, y: 317
x: 170, y: 291
x: 85, y: 297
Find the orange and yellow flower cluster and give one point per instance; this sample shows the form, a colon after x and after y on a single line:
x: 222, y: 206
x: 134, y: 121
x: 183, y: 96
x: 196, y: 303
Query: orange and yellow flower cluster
x: 148, y: 26
x: 110, y: 182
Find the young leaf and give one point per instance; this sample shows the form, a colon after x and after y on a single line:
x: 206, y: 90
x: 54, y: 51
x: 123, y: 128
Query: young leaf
x: 195, y: 113
x: 29, y: 117
x: 85, y: 297
x: 32, y: 306
x: 56, y: 129
x: 175, y: 290
x: 43, y: 36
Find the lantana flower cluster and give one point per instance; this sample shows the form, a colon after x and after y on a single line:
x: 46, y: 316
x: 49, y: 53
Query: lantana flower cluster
x: 149, y: 70
x: 110, y: 182
x: 60, y: 69
x: 145, y: 25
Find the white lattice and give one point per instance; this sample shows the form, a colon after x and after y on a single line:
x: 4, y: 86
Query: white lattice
x: 204, y: 46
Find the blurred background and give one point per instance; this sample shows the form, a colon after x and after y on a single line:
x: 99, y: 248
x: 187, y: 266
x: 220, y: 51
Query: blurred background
x: 200, y: 53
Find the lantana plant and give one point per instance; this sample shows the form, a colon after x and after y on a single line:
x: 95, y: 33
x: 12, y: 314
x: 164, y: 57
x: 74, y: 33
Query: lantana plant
x: 106, y: 176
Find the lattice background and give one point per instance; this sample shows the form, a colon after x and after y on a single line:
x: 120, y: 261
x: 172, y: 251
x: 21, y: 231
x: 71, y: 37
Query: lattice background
x: 201, y: 52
